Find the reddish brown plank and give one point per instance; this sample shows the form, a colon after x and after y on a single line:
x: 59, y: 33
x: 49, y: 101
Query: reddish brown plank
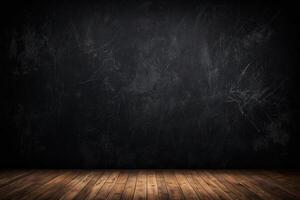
x: 141, y: 186
x: 130, y: 185
x: 149, y: 184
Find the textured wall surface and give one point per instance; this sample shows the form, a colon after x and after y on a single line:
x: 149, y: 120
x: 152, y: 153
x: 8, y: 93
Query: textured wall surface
x: 149, y: 84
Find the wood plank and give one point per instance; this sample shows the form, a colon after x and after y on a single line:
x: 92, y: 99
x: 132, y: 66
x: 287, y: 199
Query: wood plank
x: 15, y: 183
x: 31, y: 185
x: 211, y: 193
x: 84, y: 193
x: 118, y: 188
x: 10, y: 173
x: 150, y: 184
x: 130, y: 185
x: 98, y: 185
x: 141, y: 186
x: 161, y: 185
x: 218, y: 188
x: 76, y: 185
x: 13, y: 176
x: 152, y: 188
x: 173, y: 187
x: 19, y: 186
x: 270, y: 187
x: 255, y: 188
x: 286, y: 183
x: 200, y: 191
x: 226, y: 192
x: 108, y: 185
x: 233, y: 180
x: 186, y: 188
x: 237, y: 192
x: 53, y: 189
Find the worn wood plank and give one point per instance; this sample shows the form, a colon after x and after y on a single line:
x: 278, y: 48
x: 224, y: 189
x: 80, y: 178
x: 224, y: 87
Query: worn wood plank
x: 270, y: 186
x: 152, y: 188
x: 200, y: 191
x: 118, y: 188
x: 161, y: 185
x: 173, y: 187
x: 10, y: 177
x: 231, y: 187
x: 108, y: 185
x: 218, y: 188
x: 98, y: 185
x: 84, y: 193
x: 211, y: 193
x: 290, y: 184
x: 17, y: 183
x: 186, y: 188
x: 33, y: 184
x: 232, y: 179
x: 141, y: 186
x: 55, y: 188
x: 223, y: 189
x: 244, y: 180
x: 149, y: 184
x: 76, y: 185
x: 130, y: 185
x: 21, y: 187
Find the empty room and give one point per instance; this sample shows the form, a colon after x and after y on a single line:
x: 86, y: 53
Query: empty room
x: 150, y: 100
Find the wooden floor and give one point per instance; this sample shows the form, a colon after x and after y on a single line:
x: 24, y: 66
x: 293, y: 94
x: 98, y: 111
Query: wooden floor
x: 149, y: 184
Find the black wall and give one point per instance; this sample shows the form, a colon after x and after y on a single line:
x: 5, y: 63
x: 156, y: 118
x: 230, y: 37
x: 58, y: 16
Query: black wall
x: 149, y: 84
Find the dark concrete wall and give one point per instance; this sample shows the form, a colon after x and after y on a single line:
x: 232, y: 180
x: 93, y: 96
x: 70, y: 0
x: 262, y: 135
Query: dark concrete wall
x: 149, y: 84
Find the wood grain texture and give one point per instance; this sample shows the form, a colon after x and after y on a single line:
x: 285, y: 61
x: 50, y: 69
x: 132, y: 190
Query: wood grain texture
x: 149, y: 184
